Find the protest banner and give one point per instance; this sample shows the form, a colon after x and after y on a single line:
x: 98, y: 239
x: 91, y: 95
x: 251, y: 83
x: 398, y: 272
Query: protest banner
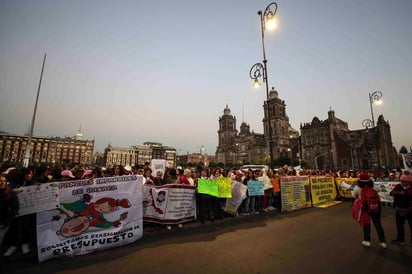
x: 158, y: 165
x: 295, y: 193
x: 94, y: 214
x: 224, y: 187
x: 323, y: 191
x: 345, y: 186
x: 238, y: 195
x: 169, y: 204
x: 255, y: 188
x: 407, y: 161
x: 209, y: 187
x: 38, y: 198
x: 384, y: 188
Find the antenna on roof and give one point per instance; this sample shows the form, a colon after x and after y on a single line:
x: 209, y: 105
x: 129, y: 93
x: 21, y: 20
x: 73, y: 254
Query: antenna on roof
x: 243, y: 112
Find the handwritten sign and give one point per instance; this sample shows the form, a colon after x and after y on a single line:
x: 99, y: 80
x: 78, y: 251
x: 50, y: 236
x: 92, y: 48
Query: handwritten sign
x: 255, y: 188
x: 208, y: 187
x: 39, y: 198
x: 224, y: 187
x: 238, y: 195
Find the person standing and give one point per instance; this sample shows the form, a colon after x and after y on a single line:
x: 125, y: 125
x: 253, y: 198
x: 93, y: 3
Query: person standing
x: 9, y: 206
x: 402, y: 194
x: 23, y: 228
x: 365, y: 182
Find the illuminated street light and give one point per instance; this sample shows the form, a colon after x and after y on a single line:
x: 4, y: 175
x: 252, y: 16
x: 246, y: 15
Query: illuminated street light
x: 259, y: 70
x: 375, y: 96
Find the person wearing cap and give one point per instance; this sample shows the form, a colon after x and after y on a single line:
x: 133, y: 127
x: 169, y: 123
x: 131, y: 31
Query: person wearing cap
x: 66, y: 175
x: 402, y: 202
x: 364, y: 181
x: 87, y: 174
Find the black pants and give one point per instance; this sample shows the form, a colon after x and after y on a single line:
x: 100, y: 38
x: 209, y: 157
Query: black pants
x: 206, y: 210
x: 22, y: 230
x: 376, y: 220
x: 401, y: 217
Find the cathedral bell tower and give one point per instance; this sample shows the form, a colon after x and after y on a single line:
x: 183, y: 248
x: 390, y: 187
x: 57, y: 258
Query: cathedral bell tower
x: 226, y: 133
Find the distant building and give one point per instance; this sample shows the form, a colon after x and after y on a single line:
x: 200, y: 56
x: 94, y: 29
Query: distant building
x: 236, y: 149
x: 329, y: 144
x: 46, y: 149
x: 138, y: 154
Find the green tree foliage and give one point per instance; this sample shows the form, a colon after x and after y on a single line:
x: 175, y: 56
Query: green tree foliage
x: 403, y: 150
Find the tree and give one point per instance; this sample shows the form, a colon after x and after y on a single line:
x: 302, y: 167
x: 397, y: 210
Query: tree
x: 403, y: 150
x: 212, y: 164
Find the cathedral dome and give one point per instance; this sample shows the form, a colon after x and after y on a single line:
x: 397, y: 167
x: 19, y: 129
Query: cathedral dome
x: 273, y: 94
x: 227, y: 111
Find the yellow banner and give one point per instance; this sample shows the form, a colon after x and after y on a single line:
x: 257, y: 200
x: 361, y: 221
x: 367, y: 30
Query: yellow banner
x: 225, y: 187
x: 345, y: 185
x: 295, y: 193
x: 323, y: 191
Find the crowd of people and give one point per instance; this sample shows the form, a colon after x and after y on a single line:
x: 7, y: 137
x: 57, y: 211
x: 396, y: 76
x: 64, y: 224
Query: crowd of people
x: 20, y: 231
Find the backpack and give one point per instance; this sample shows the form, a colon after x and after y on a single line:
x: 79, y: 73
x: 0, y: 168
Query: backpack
x: 370, y: 199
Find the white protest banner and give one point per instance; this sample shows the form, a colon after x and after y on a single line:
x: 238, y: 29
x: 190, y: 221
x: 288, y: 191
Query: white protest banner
x: 94, y: 214
x: 238, y: 195
x: 169, y: 204
x: 38, y: 198
x: 158, y: 165
x: 384, y: 188
x: 407, y: 161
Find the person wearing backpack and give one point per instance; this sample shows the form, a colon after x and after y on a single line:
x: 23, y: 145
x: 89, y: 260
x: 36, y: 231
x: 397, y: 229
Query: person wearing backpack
x: 402, y: 202
x: 368, y: 199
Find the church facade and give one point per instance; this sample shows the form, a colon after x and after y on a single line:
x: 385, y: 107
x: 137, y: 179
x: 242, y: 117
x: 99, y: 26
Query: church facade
x: 322, y: 144
x: 236, y: 148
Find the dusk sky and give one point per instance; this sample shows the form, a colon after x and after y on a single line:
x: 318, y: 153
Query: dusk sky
x: 163, y: 71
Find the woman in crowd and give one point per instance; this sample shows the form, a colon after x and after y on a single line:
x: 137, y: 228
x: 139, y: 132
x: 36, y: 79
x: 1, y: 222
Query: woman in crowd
x: 148, y: 178
x: 364, y: 181
x: 218, y: 203
x: 205, y: 202
x: 23, y: 228
x: 186, y: 178
x: 9, y: 206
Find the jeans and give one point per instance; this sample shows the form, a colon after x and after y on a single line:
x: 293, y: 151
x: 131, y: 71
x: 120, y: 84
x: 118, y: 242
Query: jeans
x: 245, y: 205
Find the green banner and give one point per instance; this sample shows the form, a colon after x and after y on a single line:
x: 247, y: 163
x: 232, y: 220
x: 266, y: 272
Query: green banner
x: 208, y: 187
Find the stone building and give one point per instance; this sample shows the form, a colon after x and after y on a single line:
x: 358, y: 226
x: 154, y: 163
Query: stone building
x: 46, y: 149
x: 138, y: 154
x: 238, y: 148
x: 329, y: 144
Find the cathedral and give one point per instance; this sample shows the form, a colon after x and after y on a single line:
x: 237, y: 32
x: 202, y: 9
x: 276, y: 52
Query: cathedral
x: 237, y: 148
x: 322, y: 144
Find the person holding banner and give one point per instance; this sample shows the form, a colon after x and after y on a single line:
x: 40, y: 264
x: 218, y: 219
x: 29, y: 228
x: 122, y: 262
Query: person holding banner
x: 365, y: 181
x: 22, y: 228
x: 186, y: 178
x: 9, y: 206
x: 218, y: 202
x: 205, y: 202
x: 402, y: 194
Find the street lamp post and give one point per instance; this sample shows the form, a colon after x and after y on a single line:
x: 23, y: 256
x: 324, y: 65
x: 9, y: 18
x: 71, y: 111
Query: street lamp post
x: 375, y: 96
x: 267, y: 21
x: 368, y: 123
